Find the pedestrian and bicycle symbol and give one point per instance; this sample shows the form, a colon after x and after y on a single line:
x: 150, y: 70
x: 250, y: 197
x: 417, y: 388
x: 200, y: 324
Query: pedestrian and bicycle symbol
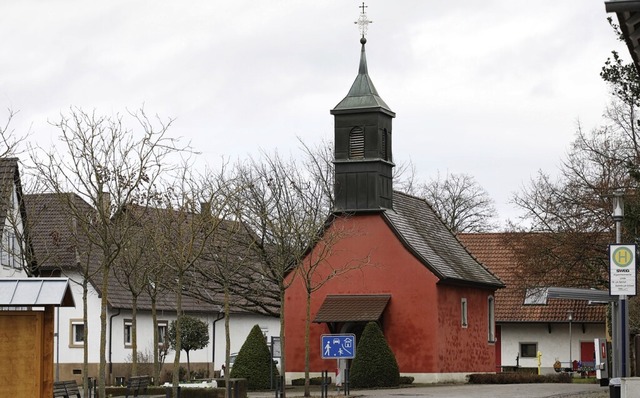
x: 337, y: 346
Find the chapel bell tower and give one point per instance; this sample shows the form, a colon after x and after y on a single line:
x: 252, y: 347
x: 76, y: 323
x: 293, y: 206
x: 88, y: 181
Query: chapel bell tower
x: 363, y: 157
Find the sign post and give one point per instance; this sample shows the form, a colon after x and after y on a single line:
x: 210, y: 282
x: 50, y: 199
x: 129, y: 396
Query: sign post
x: 622, y: 280
x: 339, y: 347
x: 622, y: 283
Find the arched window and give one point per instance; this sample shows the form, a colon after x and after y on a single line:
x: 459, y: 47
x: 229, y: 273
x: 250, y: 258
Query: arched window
x: 356, y: 143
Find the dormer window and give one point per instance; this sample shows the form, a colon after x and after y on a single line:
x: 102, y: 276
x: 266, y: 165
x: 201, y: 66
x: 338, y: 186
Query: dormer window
x: 356, y: 143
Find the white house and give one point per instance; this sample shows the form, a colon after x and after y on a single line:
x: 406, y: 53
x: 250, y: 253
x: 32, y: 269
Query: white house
x: 12, y: 214
x: 57, y: 254
x: 526, y: 323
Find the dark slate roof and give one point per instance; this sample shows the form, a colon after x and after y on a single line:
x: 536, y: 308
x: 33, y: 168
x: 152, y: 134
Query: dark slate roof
x: 363, y: 94
x: 57, y: 251
x: 352, y: 308
x: 496, y: 251
x: 423, y: 233
x: 51, y: 228
x: 628, y: 12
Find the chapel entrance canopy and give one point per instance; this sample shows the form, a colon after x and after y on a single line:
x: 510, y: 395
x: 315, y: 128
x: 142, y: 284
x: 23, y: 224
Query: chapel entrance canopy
x: 337, y: 309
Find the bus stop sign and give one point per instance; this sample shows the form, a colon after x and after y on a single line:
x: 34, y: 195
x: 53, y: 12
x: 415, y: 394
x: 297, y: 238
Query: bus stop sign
x: 338, y: 346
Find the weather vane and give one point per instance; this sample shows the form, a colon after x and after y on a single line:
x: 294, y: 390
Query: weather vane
x: 362, y: 21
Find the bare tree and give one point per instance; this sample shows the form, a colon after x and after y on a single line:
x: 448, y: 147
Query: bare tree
x: 109, y: 167
x: 459, y: 200
x: 571, y: 214
x: 186, y: 228
x: 10, y: 142
x: 316, y: 270
x: 285, y: 204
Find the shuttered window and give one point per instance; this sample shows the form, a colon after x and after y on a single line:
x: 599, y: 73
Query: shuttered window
x: 356, y: 143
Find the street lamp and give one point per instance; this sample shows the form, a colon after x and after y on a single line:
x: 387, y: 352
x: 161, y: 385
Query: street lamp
x: 570, y: 318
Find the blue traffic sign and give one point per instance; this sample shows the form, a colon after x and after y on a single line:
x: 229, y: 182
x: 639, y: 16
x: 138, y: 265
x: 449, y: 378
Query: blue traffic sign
x: 336, y: 346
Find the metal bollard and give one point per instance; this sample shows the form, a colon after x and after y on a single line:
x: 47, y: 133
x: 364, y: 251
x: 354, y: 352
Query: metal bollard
x: 346, y: 381
x: 324, y: 391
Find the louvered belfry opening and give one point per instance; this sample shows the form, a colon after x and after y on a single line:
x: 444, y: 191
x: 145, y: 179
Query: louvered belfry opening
x: 356, y: 143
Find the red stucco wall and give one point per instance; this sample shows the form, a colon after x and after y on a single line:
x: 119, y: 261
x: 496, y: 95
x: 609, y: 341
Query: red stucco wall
x: 420, y: 320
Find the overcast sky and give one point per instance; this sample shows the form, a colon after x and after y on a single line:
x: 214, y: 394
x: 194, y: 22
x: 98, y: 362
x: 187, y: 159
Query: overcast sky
x: 494, y: 89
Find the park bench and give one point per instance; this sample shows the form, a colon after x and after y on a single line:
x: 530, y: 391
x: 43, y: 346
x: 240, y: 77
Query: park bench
x: 67, y: 389
x: 137, y: 385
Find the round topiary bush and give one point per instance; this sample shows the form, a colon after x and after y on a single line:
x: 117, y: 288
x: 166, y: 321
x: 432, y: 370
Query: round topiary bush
x: 253, y: 361
x: 374, y: 364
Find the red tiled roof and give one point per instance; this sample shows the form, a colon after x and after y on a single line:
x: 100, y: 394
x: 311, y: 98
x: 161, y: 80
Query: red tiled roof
x: 350, y: 308
x: 493, y: 250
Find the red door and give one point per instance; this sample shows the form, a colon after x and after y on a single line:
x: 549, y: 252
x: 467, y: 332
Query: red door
x: 588, y: 354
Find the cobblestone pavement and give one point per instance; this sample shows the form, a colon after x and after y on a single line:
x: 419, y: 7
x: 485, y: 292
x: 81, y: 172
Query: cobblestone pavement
x: 467, y: 391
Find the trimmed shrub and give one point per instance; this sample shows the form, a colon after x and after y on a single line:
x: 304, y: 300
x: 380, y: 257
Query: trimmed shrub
x: 518, y: 378
x: 253, y: 362
x: 314, y: 381
x: 374, y: 364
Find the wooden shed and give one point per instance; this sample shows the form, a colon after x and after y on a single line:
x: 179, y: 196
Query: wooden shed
x: 26, y: 333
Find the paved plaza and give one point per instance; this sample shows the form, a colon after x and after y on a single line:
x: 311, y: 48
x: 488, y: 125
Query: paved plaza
x: 467, y: 391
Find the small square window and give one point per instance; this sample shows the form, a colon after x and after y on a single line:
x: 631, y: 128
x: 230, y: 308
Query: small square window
x: 77, y: 333
x: 528, y: 350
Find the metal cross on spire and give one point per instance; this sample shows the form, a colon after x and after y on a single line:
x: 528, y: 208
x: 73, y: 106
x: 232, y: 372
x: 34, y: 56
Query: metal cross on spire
x: 362, y: 21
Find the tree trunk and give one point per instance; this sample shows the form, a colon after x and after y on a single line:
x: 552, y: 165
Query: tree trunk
x: 227, y: 336
x: 282, y: 339
x: 85, y: 348
x: 178, y: 348
x: 134, y: 336
x: 102, y: 374
x: 156, y: 343
x: 307, y: 327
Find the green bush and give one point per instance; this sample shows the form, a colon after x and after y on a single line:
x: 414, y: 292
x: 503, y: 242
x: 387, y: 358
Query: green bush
x: 253, y: 362
x: 518, y: 378
x: 314, y: 381
x: 374, y: 364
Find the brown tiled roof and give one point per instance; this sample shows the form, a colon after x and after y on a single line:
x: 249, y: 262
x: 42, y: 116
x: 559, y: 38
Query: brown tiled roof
x: 495, y: 252
x: 352, y: 308
x: 422, y: 232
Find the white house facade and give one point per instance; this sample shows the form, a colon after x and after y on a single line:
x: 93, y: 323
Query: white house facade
x: 11, y: 248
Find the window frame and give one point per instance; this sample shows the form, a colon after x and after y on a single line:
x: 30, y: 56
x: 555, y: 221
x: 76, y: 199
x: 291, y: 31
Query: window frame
x: 127, y: 333
x: 528, y: 343
x: 162, y: 336
x: 74, y: 342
